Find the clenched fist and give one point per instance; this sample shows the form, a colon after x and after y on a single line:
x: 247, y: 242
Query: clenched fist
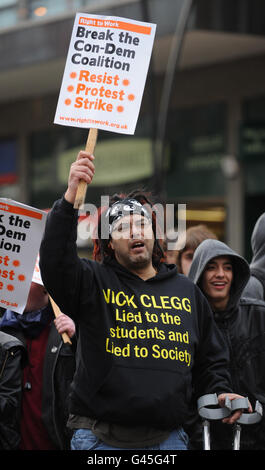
x: 82, y: 169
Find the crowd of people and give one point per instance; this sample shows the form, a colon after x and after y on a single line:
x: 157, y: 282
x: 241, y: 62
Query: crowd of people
x: 151, y: 331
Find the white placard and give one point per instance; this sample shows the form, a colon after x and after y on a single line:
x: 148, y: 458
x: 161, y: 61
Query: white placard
x: 105, y: 73
x: 21, y: 229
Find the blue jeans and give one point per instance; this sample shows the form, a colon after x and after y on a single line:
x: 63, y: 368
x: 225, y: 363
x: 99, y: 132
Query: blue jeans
x: 84, y: 439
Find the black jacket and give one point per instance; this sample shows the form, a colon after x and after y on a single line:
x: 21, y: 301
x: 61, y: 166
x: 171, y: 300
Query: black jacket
x: 12, y: 359
x: 242, y: 325
x: 58, y: 372
x: 255, y: 287
x: 142, y: 345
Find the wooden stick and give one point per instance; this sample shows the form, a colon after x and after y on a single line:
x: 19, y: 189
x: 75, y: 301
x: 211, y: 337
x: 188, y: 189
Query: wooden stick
x: 57, y: 312
x: 82, y: 187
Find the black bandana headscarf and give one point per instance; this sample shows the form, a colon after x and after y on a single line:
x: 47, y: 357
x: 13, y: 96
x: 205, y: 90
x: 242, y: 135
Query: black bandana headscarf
x: 125, y: 207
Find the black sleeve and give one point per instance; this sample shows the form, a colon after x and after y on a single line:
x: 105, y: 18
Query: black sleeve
x: 61, y: 268
x: 10, y: 399
x: 211, y: 370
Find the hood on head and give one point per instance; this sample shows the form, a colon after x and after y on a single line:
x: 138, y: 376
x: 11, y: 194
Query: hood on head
x: 257, y: 265
x: 210, y: 249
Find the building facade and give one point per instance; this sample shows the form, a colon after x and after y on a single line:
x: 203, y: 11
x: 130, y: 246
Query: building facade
x: 200, y: 133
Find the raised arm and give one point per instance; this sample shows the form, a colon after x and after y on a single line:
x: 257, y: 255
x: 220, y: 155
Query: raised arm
x: 61, y: 268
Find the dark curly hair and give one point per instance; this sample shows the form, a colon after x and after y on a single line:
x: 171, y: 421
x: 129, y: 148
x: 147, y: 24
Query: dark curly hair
x: 102, y: 247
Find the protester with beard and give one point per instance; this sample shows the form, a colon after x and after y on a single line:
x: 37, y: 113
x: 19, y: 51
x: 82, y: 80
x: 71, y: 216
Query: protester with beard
x: 146, y: 335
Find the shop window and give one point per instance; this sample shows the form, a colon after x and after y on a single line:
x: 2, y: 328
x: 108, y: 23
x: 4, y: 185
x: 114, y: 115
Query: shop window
x: 197, y: 145
x: 252, y: 157
x: 8, y: 13
x: 9, y: 180
x: 8, y: 162
x: 122, y: 162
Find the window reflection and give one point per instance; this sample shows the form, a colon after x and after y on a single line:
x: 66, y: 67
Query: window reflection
x: 43, y: 8
x: 14, y: 11
x: 8, y: 13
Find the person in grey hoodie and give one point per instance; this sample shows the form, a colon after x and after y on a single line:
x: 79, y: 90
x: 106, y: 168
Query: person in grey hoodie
x: 222, y: 275
x: 255, y: 288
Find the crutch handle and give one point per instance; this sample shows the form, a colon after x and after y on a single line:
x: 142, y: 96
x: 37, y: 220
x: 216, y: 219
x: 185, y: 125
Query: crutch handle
x: 237, y: 403
x: 252, y: 418
x: 211, y: 413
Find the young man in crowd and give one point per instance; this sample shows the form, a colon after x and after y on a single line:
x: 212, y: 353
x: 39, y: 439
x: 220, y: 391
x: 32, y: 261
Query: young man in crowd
x: 222, y: 276
x: 146, y: 335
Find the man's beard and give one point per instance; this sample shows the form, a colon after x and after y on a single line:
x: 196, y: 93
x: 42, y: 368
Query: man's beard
x: 140, y: 261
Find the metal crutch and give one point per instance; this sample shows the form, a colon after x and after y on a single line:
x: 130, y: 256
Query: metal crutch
x: 210, y: 414
x: 232, y: 405
x: 245, y: 419
x: 220, y: 413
